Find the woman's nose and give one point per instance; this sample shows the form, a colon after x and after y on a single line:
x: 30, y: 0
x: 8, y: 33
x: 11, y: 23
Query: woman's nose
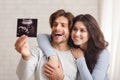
x: 77, y: 32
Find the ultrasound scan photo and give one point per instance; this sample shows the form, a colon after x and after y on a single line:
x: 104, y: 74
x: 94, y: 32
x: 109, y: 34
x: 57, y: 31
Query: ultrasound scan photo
x: 27, y: 26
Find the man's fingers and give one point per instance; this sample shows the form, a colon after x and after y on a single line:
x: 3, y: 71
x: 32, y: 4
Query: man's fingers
x: 21, y: 41
x: 49, y: 65
x: 47, y: 72
x: 49, y: 76
x: 48, y: 69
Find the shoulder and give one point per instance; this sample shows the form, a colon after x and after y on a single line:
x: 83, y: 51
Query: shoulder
x: 104, y: 54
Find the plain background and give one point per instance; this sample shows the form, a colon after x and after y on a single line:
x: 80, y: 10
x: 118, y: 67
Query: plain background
x: 11, y: 10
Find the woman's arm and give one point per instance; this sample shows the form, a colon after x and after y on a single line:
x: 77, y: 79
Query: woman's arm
x: 44, y: 43
x: 100, y: 70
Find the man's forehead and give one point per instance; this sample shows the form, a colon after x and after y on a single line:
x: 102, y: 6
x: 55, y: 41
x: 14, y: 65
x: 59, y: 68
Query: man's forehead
x: 62, y: 20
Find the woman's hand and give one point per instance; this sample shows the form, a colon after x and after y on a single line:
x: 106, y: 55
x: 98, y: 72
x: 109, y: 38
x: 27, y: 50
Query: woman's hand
x: 53, y: 61
x: 77, y: 53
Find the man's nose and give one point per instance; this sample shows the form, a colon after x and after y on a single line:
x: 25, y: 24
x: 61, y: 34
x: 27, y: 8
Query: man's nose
x: 58, y: 27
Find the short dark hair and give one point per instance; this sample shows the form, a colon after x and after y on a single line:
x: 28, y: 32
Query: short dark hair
x: 59, y: 13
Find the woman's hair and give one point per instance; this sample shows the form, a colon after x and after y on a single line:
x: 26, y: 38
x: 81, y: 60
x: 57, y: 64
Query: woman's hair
x: 96, y: 41
x: 60, y: 13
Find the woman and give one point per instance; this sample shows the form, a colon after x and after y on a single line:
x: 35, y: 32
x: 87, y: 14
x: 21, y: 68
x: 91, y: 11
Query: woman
x: 88, y: 47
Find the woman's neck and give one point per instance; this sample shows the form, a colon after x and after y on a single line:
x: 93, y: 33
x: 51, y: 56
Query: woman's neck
x: 83, y: 47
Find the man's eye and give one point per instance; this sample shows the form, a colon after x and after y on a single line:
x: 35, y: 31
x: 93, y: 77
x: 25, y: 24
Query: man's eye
x: 63, y: 25
x: 55, y: 24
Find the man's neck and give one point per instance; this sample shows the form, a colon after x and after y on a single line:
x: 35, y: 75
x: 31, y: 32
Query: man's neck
x: 61, y: 46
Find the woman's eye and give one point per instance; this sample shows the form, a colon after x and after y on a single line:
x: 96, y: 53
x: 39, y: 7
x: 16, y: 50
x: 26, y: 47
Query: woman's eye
x: 75, y: 29
x: 82, y: 30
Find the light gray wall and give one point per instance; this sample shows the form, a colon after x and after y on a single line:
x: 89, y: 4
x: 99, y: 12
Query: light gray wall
x: 10, y: 10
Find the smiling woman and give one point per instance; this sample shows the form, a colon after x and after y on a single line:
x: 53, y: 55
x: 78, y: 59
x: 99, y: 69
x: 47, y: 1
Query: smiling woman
x: 80, y: 34
x: 91, y: 40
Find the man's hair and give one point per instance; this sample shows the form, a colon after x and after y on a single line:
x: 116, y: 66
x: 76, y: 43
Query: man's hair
x: 60, y: 13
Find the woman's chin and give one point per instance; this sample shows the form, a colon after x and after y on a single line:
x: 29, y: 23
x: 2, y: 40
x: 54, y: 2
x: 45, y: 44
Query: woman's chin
x: 76, y: 43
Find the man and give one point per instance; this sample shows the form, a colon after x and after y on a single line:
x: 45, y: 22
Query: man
x: 32, y: 61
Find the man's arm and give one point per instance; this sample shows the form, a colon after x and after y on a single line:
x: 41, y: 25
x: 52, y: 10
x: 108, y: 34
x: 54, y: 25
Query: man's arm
x: 22, y: 47
x: 28, y: 60
x: 25, y: 69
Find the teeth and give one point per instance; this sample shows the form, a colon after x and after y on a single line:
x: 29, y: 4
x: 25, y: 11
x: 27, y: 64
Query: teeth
x: 58, y: 34
x: 77, y: 38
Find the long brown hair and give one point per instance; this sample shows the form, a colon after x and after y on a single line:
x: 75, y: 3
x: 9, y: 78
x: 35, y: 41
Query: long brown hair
x: 96, y: 42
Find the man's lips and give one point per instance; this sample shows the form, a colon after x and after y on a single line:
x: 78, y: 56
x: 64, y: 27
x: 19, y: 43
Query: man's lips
x: 58, y: 34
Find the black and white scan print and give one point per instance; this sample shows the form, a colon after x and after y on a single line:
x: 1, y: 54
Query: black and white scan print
x: 27, y: 26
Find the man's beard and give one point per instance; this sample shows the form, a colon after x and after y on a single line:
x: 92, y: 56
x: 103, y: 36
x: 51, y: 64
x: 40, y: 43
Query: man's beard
x: 61, y: 35
x: 60, y: 42
x: 63, y: 40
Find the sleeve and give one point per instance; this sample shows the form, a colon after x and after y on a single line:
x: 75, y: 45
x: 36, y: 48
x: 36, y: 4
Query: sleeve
x: 100, y: 70
x: 25, y: 69
x: 44, y: 43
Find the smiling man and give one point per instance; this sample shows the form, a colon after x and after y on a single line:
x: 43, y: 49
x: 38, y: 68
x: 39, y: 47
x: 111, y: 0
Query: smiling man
x: 60, y: 31
x: 32, y: 61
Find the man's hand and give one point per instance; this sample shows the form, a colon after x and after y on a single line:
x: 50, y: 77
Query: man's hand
x: 22, y: 47
x: 54, y: 73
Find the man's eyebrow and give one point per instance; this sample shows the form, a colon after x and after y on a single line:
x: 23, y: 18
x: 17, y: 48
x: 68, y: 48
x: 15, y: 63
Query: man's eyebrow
x: 60, y: 22
x: 64, y: 23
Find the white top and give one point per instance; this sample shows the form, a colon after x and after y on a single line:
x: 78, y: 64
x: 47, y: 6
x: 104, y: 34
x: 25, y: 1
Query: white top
x: 34, y: 65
